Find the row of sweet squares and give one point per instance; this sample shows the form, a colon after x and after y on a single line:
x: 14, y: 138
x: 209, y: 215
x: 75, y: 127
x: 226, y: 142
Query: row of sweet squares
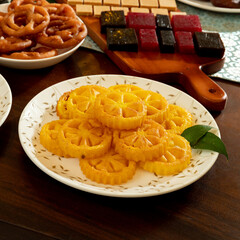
x: 95, y: 7
x: 144, y: 31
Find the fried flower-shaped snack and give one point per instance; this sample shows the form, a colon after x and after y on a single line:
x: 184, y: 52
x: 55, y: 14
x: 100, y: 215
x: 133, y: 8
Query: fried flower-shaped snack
x: 49, y: 139
x: 120, y: 110
x: 175, y: 160
x: 111, y: 168
x: 62, y: 110
x: 178, y: 120
x: 113, y: 131
x: 145, y: 143
x: 84, y: 138
x: 125, y: 88
x: 81, y: 100
x: 157, y: 105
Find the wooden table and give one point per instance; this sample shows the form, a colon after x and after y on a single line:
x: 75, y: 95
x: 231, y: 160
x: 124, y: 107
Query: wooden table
x: 35, y: 206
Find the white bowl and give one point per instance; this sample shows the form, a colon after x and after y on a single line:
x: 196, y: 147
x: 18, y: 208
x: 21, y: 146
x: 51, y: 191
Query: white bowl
x: 36, y: 63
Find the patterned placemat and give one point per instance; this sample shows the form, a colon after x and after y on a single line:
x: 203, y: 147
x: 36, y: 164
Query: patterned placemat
x: 228, y: 25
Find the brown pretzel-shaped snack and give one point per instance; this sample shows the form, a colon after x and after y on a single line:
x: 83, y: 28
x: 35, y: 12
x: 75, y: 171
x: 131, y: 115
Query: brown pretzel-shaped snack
x: 10, y: 44
x: 63, y: 34
x: 38, y: 53
x: 60, y: 11
x: 33, y: 19
x: 16, y: 3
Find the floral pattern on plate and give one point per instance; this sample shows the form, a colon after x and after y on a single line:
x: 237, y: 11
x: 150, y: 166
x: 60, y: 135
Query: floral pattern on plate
x: 42, y: 109
x: 5, y: 99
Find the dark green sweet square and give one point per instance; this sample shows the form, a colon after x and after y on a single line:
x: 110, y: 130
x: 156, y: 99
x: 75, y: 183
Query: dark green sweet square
x: 122, y: 39
x: 112, y: 19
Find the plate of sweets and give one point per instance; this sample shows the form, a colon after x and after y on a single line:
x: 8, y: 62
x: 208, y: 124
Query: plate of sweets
x: 159, y: 43
x: 38, y: 34
x: 116, y: 135
x: 5, y: 100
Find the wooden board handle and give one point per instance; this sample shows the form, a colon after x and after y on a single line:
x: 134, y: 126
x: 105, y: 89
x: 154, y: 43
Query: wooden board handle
x: 203, y: 89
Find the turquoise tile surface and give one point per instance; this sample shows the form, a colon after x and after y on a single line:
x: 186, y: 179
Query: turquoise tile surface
x: 228, y: 25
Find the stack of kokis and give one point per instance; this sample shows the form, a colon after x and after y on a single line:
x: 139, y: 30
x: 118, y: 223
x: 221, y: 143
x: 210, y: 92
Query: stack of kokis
x: 114, y: 130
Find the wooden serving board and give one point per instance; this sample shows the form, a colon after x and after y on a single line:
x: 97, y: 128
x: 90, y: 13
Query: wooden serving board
x: 189, y: 70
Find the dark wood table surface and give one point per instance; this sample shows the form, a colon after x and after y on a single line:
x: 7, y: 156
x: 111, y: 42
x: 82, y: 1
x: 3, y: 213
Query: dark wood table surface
x: 35, y: 206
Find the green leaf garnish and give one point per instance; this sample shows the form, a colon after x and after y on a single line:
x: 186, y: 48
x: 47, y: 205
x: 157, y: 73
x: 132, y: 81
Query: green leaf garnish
x: 194, y: 133
x: 199, y: 137
x: 211, y: 142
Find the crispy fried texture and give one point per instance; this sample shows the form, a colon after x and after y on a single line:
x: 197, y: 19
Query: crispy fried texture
x: 112, y: 131
x: 36, y: 29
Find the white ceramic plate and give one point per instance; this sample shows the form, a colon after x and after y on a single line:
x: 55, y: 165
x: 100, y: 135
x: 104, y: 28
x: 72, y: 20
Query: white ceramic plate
x: 36, y: 63
x: 42, y: 109
x: 5, y: 99
x: 207, y: 5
